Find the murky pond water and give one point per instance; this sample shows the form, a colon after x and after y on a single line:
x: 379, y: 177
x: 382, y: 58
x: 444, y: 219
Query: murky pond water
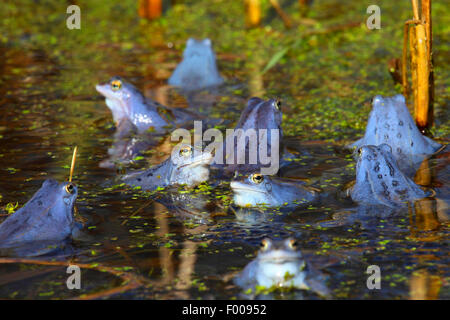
x: 191, y: 245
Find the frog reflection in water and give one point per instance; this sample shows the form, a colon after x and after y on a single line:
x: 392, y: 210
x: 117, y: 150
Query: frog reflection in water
x: 134, y: 115
x: 390, y: 122
x: 379, y: 181
x: 186, y: 166
x: 45, y: 220
x: 279, y: 264
x: 198, y: 69
x: 191, y: 207
x: 259, y: 190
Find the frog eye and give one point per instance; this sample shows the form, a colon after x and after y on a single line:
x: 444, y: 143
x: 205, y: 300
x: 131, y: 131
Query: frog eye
x: 264, y: 244
x: 186, y: 151
x: 293, y: 243
x: 359, y: 151
x: 69, y: 188
x: 257, y: 178
x: 278, y: 104
x: 116, y: 85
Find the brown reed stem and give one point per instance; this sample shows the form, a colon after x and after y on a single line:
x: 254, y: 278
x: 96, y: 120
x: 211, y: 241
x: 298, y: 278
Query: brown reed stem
x: 422, y: 103
x: 415, y: 6
x: 252, y: 13
x: 404, y: 65
x: 426, y: 18
x: 72, y: 165
x: 150, y: 9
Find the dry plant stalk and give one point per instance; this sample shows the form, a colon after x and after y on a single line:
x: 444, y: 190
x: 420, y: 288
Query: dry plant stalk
x: 426, y: 18
x: 411, y: 32
x: 421, y: 104
x: 415, y: 7
x: 150, y: 9
x: 72, y: 165
x: 284, y: 16
x: 413, y: 63
x: 420, y: 42
x: 252, y: 13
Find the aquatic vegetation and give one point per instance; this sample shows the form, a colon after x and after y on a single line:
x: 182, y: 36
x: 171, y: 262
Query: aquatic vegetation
x: 325, y: 71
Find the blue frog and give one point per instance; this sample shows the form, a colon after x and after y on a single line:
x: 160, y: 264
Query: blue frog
x: 198, y: 69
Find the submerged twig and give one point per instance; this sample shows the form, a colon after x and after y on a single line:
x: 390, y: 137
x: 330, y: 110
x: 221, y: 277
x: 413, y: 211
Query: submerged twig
x: 145, y: 205
x: 130, y: 280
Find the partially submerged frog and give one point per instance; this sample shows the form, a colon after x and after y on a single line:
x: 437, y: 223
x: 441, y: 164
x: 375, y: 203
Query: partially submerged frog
x: 186, y: 166
x: 193, y: 207
x: 279, y: 264
x: 46, y: 218
x: 379, y: 181
x: 390, y: 122
x: 269, y: 191
x: 131, y: 110
x: 125, y: 151
x: 257, y: 217
x: 198, y: 70
x: 261, y: 123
